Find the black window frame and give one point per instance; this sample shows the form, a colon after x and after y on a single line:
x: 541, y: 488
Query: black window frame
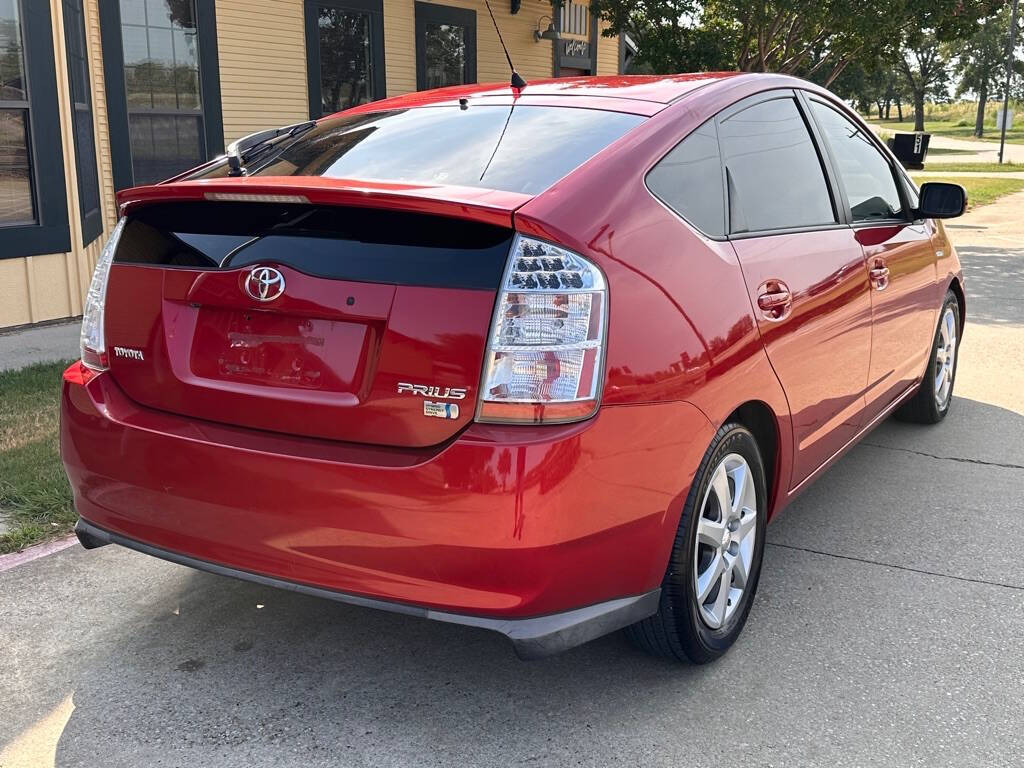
x: 897, y: 177
x: 50, y: 233
x: 431, y: 13
x: 313, y: 75
x: 829, y: 166
x: 92, y: 220
x: 839, y: 207
x: 117, y: 98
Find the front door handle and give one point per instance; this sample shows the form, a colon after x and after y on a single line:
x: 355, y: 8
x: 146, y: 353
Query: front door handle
x: 879, y: 274
x: 774, y: 300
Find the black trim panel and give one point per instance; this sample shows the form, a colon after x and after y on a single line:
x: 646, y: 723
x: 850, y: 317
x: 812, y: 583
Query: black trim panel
x: 532, y: 638
x: 334, y: 242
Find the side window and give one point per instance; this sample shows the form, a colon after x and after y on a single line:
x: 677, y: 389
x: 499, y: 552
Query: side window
x: 866, y: 175
x: 773, y: 170
x: 689, y: 181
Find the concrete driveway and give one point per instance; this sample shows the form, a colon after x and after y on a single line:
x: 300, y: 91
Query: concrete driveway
x: 888, y: 630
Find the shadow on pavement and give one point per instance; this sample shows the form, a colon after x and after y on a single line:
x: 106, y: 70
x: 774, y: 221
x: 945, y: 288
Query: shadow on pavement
x: 845, y: 659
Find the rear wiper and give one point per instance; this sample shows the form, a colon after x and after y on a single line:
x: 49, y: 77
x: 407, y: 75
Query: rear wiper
x: 250, y: 147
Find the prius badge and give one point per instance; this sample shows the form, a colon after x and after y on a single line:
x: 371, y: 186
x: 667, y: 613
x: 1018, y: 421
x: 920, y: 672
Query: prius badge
x: 437, y: 410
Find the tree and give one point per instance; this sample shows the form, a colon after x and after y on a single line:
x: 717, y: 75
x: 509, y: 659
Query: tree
x: 792, y: 36
x: 809, y: 38
x: 803, y: 37
x: 981, y: 63
x: 671, y: 35
x: 870, y: 84
x: 923, y: 65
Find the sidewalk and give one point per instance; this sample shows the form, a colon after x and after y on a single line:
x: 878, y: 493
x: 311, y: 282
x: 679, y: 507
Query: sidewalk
x: 967, y: 150
x: 974, y: 151
x: 44, y: 344
x: 1000, y: 224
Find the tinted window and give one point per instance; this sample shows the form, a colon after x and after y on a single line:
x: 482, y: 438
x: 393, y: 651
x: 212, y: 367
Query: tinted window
x: 340, y: 243
x: 689, y: 180
x: 866, y: 175
x: 774, y: 173
x: 525, y: 149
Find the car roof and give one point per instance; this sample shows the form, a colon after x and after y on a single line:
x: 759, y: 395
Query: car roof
x: 652, y: 89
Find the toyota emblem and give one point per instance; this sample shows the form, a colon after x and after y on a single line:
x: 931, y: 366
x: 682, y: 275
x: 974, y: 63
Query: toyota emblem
x: 264, y: 283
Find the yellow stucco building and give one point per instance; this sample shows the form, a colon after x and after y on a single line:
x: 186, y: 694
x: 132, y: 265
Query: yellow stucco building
x: 99, y: 95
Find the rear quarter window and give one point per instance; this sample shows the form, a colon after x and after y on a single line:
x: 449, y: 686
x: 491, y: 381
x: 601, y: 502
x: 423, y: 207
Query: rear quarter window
x: 689, y: 181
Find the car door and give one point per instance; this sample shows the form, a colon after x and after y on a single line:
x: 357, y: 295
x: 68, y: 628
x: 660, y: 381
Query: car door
x: 804, y: 270
x: 898, y: 253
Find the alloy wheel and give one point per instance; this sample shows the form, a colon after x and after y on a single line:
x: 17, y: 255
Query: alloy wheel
x: 945, y: 358
x: 726, y: 534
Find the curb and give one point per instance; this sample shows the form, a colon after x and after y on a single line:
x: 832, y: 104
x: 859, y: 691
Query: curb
x: 15, y: 559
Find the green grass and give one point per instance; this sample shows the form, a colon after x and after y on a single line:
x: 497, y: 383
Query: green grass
x: 956, y: 130
x: 35, y: 499
x: 974, y: 167
x: 980, y: 190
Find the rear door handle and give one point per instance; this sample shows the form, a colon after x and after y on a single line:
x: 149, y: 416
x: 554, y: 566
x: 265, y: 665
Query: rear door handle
x: 879, y: 276
x: 774, y: 300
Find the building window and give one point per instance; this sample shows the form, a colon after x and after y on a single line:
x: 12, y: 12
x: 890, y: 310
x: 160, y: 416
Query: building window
x: 445, y: 46
x: 81, y: 120
x: 161, y: 80
x: 163, y: 88
x: 345, y: 54
x: 33, y: 199
x: 575, y: 19
x: 16, y: 204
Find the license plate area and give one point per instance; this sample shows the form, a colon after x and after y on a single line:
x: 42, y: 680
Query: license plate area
x: 280, y: 350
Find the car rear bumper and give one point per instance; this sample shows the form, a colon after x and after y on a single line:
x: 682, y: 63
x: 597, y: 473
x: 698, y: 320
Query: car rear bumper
x: 565, y: 528
x: 532, y: 638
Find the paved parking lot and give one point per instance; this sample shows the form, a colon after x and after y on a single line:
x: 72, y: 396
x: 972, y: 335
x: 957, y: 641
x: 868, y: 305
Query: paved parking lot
x: 888, y: 630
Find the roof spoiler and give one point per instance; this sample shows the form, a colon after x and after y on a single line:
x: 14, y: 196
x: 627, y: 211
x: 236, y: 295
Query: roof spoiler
x: 489, y: 206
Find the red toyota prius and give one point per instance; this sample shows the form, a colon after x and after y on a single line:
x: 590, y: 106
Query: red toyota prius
x: 542, y: 360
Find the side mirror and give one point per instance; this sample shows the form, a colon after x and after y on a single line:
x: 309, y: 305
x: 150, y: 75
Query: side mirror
x: 940, y: 200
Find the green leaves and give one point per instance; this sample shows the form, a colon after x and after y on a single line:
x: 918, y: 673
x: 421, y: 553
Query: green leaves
x: 808, y: 38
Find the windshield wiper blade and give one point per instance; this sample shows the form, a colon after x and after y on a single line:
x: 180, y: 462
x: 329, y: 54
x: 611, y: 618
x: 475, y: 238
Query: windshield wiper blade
x: 249, y: 147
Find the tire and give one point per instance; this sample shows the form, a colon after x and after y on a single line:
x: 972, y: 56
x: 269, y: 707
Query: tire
x: 683, y: 628
x: 929, y: 405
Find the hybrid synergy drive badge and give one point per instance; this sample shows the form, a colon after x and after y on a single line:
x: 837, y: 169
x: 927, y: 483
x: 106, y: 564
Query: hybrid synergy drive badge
x: 440, y: 410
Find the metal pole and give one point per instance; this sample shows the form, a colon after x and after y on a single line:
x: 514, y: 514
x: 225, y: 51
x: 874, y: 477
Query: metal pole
x: 1009, y: 74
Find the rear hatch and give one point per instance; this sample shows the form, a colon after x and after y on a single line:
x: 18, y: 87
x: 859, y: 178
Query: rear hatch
x: 388, y: 231
x: 376, y: 335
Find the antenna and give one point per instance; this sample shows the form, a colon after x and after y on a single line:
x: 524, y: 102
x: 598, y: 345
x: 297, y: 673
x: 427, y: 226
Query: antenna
x: 517, y: 81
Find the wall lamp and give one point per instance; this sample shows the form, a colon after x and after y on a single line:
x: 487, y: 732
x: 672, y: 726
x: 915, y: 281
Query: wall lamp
x: 548, y: 34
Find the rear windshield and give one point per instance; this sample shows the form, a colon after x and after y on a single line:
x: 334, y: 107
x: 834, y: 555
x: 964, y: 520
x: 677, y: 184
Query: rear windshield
x: 522, y: 149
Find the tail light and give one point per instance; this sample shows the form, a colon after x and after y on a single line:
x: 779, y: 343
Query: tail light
x: 545, y: 355
x: 94, y: 345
